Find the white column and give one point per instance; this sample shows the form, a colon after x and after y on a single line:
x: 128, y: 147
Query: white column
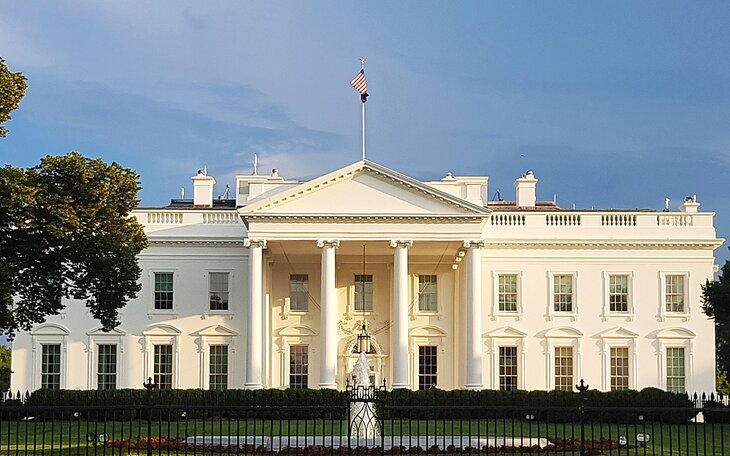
x: 254, y: 322
x: 328, y: 329
x: 474, y: 314
x: 401, y: 379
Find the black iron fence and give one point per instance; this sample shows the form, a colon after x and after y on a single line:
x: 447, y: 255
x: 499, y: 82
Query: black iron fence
x: 358, y: 421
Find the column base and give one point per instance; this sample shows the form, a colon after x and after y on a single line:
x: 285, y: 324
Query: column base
x: 253, y: 386
x: 401, y: 386
x: 474, y: 387
x: 327, y: 386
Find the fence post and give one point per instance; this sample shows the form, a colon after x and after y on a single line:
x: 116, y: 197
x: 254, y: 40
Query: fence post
x: 582, y: 388
x: 149, y: 385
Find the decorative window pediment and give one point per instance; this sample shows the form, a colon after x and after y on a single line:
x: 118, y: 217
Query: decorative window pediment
x: 618, y: 333
x: 675, y: 333
x: 50, y: 329
x: 563, y: 332
x: 507, y: 331
x: 112, y: 333
x: 427, y: 331
x: 216, y: 331
x: 296, y: 331
x: 161, y: 330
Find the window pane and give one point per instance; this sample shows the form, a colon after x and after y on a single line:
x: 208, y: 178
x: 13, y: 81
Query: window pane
x: 675, y: 370
x: 363, y: 292
x: 619, y: 368
x: 427, y: 367
x: 298, y: 366
x: 218, y: 367
x: 675, y: 293
x: 218, y: 290
x: 507, y: 368
x: 508, y: 293
x: 427, y: 293
x: 107, y: 367
x: 564, y: 368
x: 51, y: 366
x: 299, y: 292
x: 618, y: 293
x: 163, y: 290
x: 563, y: 293
x: 163, y: 366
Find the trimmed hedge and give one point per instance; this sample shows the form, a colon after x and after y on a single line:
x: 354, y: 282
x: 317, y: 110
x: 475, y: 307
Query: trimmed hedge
x: 649, y: 404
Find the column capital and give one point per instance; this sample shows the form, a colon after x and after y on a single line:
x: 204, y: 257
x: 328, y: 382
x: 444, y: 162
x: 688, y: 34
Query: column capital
x: 328, y: 243
x: 400, y: 243
x: 248, y: 242
x: 475, y: 244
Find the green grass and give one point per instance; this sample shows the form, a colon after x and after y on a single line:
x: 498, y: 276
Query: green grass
x: 69, y: 437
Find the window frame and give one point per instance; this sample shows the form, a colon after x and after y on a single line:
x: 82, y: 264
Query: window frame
x: 49, y: 334
x: 664, y: 314
x: 162, y: 334
x: 208, y: 274
x: 676, y: 337
x: 97, y: 357
x: 100, y: 337
x: 354, y: 310
x: 619, y: 337
x: 611, y: 376
x: 606, y: 312
x: 152, y: 281
x: 43, y: 364
x: 684, y: 367
x: 419, y: 365
x: 496, y: 313
x: 563, y: 336
x: 290, y: 308
x: 551, y: 312
x: 417, y: 294
x: 290, y: 374
x: 504, y: 337
x: 209, y: 349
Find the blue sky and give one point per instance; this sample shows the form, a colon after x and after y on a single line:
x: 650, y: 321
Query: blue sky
x: 612, y: 104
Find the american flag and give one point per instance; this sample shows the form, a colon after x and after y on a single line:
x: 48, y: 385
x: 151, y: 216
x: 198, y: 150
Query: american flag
x: 361, y: 85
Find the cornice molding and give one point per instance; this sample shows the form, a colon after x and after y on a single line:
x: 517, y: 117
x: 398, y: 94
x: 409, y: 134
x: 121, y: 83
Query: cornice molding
x: 364, y: 218
x: 197, y: 242
x: 597, y: 244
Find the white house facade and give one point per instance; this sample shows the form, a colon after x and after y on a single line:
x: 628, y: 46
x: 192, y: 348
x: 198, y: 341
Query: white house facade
x: 270, y: 290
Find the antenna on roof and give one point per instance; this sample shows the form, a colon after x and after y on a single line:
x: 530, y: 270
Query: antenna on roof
x: 182, y: 193
x: 227, y: 193
x: 497, y: 196
x: 205, y: 170
x: 255, y: 164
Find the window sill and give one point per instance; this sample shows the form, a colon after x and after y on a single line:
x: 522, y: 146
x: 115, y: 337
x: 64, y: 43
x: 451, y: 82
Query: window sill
x: 573, y: 316
x: 211, y: 313
x: 516, y: 315
x: 426, y: 313
x: 163, y: 313
x: 674, y: 315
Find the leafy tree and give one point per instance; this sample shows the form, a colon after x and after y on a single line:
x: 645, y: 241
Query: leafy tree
x: 716, y: 305
x: 65, y: 231
x: 12, y: 90
x: 4, y: 368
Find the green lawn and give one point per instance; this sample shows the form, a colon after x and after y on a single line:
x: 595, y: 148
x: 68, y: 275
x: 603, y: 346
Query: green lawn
x: 69, y: 437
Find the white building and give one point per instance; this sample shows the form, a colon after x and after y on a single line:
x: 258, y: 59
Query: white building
x: 268, y: 290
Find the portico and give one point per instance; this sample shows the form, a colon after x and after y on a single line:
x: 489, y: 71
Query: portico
x: 314, y: 235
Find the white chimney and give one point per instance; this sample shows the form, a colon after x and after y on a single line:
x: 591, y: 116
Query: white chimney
x: 203, y: 190
x: 690, y: 204
x: 525, y: 189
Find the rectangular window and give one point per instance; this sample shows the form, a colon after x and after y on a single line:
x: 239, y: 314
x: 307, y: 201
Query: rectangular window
x: 218, y: 367
x: 51, y: 366
x: 618, y: 293
x: 508, y: 368
x: 508, y: 293
x: 298, y: 366
x: 363, y: 292
x: 563, y: 293
x: 218, y: 290
x: 427, y: 293
x: 106, y: 375
x: 675, y: 293
x: 619, y: 368
x: 163, y: 366
x: 163, y: 290
x: 299, y: 292
x: 675, y: 370
x: 564, y: 368
x: 427, y: 366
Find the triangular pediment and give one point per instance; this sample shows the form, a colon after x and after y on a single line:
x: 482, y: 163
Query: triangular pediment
x: 507, y: 331
x: 619, y: 333
x: 363, y: 188
x: 217, y: 331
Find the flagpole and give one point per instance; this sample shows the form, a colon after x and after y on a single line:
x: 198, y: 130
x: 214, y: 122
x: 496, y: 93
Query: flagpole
x: 362, y: 102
